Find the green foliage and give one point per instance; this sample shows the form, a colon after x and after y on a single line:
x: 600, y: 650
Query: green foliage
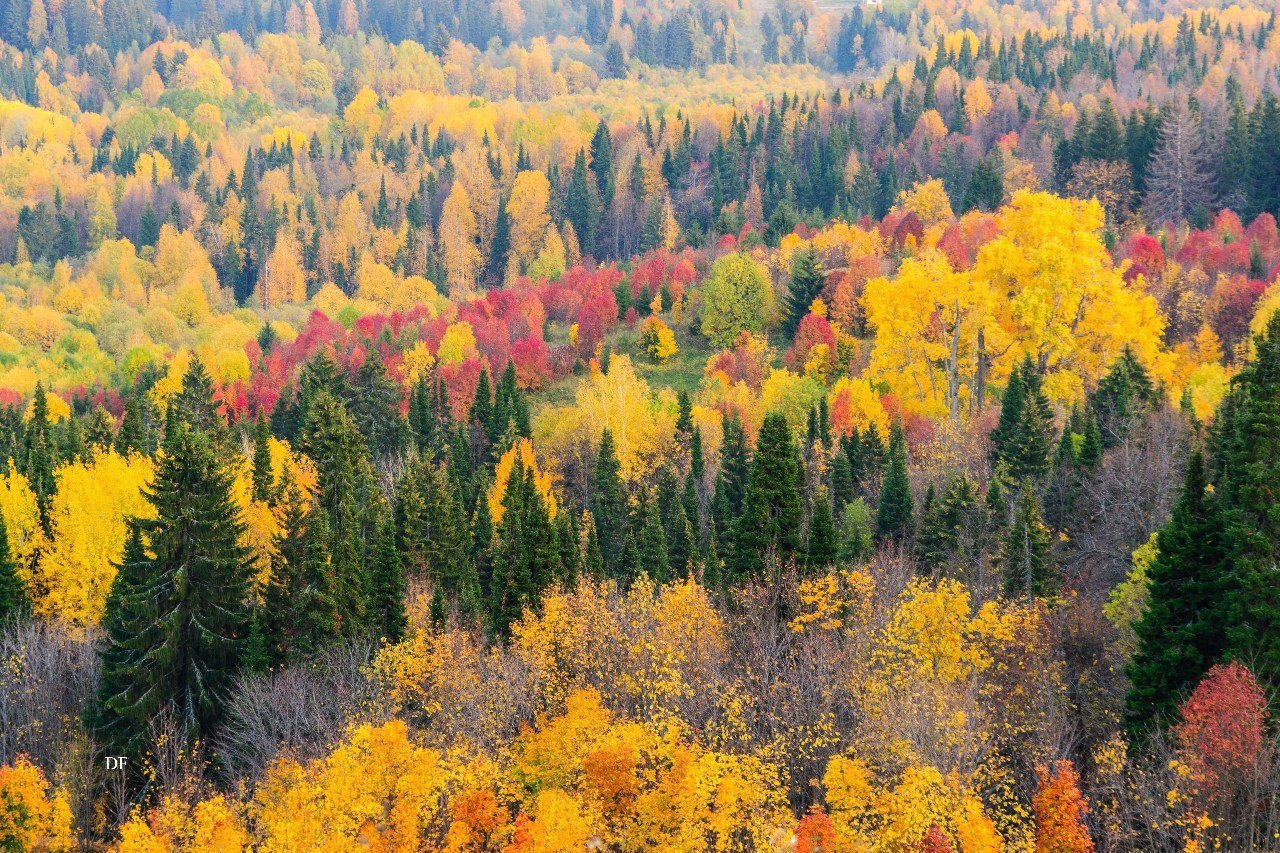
x: 893, y: 516
x: 177, y: 618
x: 1024, y: 557
x: 1184, y: 628
x: 1022, y: 440
x: 736, y: 298
x: 769, y: 526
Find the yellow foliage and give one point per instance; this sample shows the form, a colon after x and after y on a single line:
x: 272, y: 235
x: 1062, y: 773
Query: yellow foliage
x: 642, y: 423
x: 927, y: 199
x: 658, y: 340
x: 542, y: 480
x: 32, y: 815
x: 264, y: 521
x: 209, y: 826
x: 458, y: 344
x: 87, y: 517
x: 21, y: 520
x: 377, y: 790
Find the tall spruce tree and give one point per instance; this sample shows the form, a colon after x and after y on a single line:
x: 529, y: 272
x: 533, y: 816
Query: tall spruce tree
x: 177, y: 616
x: 1184, y: 628
x: 348, y: 495
x: 263, y: 477
x: 769, y: 528
x: 1024, y: 555
x: 1022, y: 442
x: 1122, y: 395
x: 893, y: 517
x: 386, y: 601
x: 609, y: 504
x: 806, y: 286
x: 1248, y: 463
x: 13, y: 592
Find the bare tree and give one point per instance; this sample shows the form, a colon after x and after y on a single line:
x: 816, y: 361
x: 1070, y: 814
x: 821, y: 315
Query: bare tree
x: 1179, y: 178
x: 301, y: 709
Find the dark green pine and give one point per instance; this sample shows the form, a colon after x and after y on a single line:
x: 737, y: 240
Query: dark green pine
x: 386, y: 605
x: 1024, y: 555
x: 894, y: 513
x: 609, y: 505
x: 769, y: 528
x: 654, y: 560
x: 263, y: 478
x: 1184, y: 628
x: 1248, y: 465
x: 13, y: 592
x: 823, y: 545
x: 806, y: 286
x: 177, y: 625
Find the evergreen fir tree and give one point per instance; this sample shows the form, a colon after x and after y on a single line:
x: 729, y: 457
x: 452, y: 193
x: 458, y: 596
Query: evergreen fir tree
x: 823, y: 547
x: 569, y: 541
x: 772, y: 508
x: 1247, y: 457
x: 177, y: 620
x: 13, y: 592
x: 609, y: 505
x: 1122, y: 395
x: 1184, y: 628
x: 1022, y: 440
x: 1024, y: 556
x: 654, y: 560
x: 893, y: 516
x: 806, y: 286
x: 263, y: 477
x: 348, y: 495
x: 592, y: 559
x: 40, y: 455
x: 386, y: 605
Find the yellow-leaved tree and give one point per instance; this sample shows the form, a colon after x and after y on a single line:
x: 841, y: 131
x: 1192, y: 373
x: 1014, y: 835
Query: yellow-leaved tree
x: 1060, y: 298
x: 33, y: 816
x: 87, y: 521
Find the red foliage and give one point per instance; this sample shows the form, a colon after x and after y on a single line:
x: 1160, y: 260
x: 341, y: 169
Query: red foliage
x: 532, y: 361
x: 935, y: 841
x: 1146, y: 256
x: 812, y: 331
x: 1060, y: 809
x: 1221, y: 732
x: 741, y: 364
x: 814, y: 833
x: 1230, y: 307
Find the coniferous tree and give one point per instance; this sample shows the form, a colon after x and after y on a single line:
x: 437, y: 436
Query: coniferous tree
x: 528, y: 556
x: 263, y: 478
x: 13, y: 592
x: 40, y: 454
x: 348, y: 495
x: 1024, y: 555
x: 806, y: 286
x: 772, y: 508
x: 822, y: 547
x: 654, y: 559
x: 178, y: 619
x: 1122, y: 395
x: 1184, y: 628
x: 609, y: 505
x: 1247, y: 458
x: 569, y: 541
x: 386, y: 605
x: 482, y: 546
x: 893, y: 517
x: 1022, y: 441
x: 592, y: 559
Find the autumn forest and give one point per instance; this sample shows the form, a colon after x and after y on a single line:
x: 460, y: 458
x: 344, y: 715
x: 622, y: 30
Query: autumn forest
x: 525, y: 426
